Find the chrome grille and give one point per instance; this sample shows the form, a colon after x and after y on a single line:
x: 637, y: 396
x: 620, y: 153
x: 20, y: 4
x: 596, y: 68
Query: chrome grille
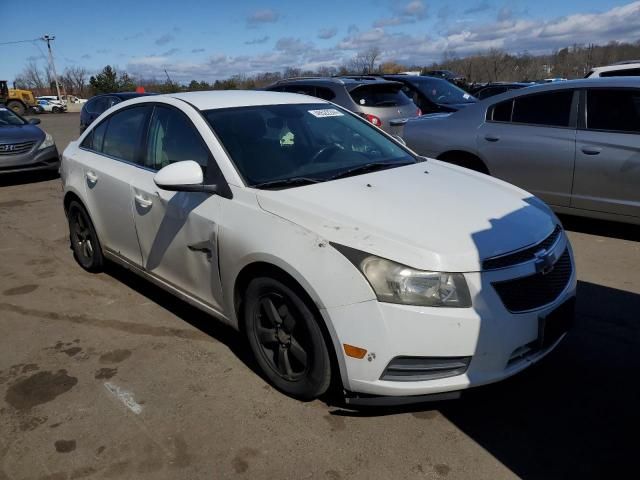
x: 16, y: 148
x: 524, y: 255
x: 538, y: 290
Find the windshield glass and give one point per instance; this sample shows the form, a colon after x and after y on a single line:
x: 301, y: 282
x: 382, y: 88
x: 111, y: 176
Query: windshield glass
x: 304, y: 142
x: 441, y: 91
x: 8, y: 118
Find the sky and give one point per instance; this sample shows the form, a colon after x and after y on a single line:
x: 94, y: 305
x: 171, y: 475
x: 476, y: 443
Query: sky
x: 209, y: 40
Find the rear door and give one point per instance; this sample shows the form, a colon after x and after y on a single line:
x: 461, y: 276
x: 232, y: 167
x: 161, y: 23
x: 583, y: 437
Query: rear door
x: 178, y: 231
x: 607, y: 176
x: 530, y: 141
x: 110, y: 156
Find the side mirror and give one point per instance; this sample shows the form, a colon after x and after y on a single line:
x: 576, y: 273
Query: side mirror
x: 34, y: 121
x: 185, y: 176
x: 399, y: 139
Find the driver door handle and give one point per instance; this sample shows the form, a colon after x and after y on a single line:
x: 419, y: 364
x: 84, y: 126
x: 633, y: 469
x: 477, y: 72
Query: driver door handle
x: 91, y: 176
x: 591, y: 150
x: 491, y: 138
x: 143, y: 202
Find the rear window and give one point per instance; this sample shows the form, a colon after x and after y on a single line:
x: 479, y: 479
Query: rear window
x: 549, y: 109
x: 629, y: 72
x: 379, y: 95
x: 613, y: 110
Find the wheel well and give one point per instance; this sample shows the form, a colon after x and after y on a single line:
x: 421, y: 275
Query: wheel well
x: 264, y: 269
x: 68, y: 198
x: 466, y: 160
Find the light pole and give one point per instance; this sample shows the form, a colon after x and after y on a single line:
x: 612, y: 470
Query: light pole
x: 48, y: 39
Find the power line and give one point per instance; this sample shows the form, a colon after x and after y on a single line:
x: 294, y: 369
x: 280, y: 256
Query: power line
x: 20, y: 41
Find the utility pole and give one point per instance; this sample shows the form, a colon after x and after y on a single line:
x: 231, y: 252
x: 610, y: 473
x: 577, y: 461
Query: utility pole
x: 48, y: 39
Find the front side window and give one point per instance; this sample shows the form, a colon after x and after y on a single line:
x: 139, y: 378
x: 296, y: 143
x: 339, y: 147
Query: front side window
x: 302, y: 142
x: 124, y: 133
x: 547, y: 109
x: 613, y: 110
x: 501, y: 112
x: 173, y: 138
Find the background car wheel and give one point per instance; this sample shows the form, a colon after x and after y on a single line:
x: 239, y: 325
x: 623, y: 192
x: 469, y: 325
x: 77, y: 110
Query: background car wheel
x: 55, y: 110
x: 286, y: 339
x: 84, y: 240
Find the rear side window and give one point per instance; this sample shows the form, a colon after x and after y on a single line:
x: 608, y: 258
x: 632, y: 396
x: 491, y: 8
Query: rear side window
x: 325, y: 93
x: 501, y: 112
x: 379, y: 95
x: 629, y: 72
x: 124, y: 133
x: 613, y: 110
x: 95, y: 138
x: 548, y: 109
x: 173, y: 138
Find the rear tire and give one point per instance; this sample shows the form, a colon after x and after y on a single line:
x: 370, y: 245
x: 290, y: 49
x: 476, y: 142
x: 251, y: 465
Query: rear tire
x: 285, y: 338
x: 17, y: 107
x: 84, y: 240
x: 55, y: 110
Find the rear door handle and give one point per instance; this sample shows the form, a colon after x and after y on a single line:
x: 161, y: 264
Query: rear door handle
x: 143, y: 202
x: 591, y: 150
x: 91, y: 177
x: 491, y: 138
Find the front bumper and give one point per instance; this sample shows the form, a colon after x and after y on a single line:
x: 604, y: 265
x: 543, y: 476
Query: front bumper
x: 499, y: 343
x: 45, y: 159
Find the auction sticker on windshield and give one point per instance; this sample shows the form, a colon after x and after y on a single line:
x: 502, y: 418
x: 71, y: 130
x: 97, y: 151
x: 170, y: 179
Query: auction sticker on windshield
x: 326, y: 112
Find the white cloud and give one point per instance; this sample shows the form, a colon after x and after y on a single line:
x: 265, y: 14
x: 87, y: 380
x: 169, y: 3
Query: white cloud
x: 327, y: 33
x: 265, y: 15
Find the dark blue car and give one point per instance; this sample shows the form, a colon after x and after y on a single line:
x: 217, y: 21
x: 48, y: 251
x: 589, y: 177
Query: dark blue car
x: 101, y: 103
x: 432, y: 94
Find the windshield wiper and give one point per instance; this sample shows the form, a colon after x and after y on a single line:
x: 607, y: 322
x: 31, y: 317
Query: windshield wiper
x: 286, y: 182
x: 368, y: 167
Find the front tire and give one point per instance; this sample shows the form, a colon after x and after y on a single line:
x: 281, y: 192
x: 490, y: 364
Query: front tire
x: 55, y: 110
x: 17, y: 107
x: 286, y: 339
x: 84, y: 239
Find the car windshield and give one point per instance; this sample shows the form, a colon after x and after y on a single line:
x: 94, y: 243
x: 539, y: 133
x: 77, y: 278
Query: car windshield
x: 441, y: 91
x: 8, y: 118
x: 279, y: 146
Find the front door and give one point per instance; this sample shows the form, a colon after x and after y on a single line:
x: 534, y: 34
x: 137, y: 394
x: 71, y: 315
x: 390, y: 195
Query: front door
x: 530, y: 142
x: 607, y: 177
x: 178, y: 231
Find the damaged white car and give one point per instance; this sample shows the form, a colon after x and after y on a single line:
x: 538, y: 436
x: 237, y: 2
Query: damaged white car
x: 338, y: 252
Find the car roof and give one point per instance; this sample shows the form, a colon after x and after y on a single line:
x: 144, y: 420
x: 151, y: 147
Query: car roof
x: 630, y: 82
x: 350, y: 82
x: 124, y: 95
x: 215, y: 99
x: 617, y: 66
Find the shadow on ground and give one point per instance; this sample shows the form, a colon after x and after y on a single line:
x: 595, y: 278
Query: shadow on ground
x: 24, y: 178
x: 575, y: 415
x: 603, y: 228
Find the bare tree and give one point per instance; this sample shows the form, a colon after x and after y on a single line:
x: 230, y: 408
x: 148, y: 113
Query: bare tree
x: 365, y: 62
x: 75, y: 79
x: 33, y: 77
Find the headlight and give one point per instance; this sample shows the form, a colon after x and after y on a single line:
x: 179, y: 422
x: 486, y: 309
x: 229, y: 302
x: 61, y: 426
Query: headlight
x: 48, y: 142
x: 396, y: 283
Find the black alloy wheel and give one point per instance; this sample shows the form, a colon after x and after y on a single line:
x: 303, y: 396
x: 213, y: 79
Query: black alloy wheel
x: 286, y: 339
x: 84, y: 240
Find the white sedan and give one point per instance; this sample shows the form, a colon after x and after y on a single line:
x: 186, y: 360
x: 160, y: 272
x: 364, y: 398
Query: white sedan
x: 338, y: 252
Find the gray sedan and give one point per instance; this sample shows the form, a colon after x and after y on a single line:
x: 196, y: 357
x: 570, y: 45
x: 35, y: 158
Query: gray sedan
x: 23, y: 146
x: 574, y: 144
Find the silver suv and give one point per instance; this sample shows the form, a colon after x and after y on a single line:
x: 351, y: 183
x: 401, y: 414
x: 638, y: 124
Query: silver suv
x: 379, y: 101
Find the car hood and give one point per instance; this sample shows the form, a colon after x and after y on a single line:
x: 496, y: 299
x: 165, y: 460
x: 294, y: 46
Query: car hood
x: 16, y: 133
x: 430, y: 216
